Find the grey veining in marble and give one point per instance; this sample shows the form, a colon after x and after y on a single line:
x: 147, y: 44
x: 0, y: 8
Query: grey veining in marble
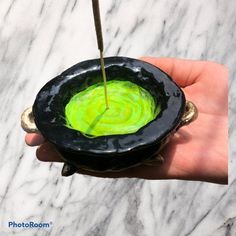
x: 38, y: 40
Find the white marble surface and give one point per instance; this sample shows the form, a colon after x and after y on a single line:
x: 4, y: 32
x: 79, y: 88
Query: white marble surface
x: 38, y: 40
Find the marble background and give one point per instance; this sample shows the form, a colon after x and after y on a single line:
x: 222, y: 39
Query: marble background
x: 38, y: 40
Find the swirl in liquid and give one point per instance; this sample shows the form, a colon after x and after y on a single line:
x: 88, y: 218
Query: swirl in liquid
x: 130, y: 108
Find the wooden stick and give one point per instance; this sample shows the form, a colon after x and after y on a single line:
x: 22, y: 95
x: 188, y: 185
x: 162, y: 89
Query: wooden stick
x: 97, y: 22
x: 98, y: 27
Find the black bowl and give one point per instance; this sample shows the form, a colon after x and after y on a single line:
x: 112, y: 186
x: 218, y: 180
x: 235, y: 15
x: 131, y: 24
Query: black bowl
x: 113, y: 152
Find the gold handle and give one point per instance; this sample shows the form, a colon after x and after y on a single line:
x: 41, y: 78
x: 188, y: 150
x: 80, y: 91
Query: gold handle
x: 27, y: 121
x: 190, y: 114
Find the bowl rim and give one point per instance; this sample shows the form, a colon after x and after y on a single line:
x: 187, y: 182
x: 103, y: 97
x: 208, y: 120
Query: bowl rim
x: 149, y: 135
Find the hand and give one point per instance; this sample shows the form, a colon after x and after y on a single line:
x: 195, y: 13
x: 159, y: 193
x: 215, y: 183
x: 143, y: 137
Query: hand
x: 197, y: 151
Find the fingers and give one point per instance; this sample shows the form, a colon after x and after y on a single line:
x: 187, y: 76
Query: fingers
x: 47, y: 152
x: 184, y: 72
x: 34, y: 139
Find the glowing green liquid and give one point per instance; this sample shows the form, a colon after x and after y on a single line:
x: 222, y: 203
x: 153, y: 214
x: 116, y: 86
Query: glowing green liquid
x: 130, y: 108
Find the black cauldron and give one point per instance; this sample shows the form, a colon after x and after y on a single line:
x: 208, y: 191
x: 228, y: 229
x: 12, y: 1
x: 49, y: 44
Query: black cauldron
x: 113, y: 152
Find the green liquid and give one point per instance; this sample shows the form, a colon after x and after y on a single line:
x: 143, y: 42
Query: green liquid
x: 130, y: 108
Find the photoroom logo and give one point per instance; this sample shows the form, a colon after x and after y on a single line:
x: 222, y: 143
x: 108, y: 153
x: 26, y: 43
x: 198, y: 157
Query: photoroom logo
x: 30, y: 224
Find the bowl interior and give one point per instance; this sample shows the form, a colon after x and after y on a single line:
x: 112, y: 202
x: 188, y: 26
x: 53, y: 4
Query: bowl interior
x: 84, y: 80
x: 80, y: 83
x: 130, y: 107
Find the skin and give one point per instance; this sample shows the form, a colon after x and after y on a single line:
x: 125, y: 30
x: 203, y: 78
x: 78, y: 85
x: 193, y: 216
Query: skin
x: 198, y: 151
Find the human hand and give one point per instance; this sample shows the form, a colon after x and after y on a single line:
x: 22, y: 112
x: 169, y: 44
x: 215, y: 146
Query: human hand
x: 195, y: 152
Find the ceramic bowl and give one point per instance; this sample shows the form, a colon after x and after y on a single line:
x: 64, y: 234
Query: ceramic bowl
x: 113, y: 152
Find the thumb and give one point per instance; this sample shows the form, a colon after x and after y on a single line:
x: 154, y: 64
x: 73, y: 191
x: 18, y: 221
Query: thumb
x: 183, y: 72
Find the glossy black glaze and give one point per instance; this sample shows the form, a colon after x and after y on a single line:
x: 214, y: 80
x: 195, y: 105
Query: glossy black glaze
x: 112, y: 152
